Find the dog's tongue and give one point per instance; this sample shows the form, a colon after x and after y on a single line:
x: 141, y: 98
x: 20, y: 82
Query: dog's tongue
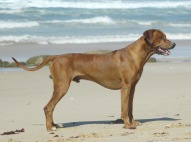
x: 167, y: 52
x: 164, y: 51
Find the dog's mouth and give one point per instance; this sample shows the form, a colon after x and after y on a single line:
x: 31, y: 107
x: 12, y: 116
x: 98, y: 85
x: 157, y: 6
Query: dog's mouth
x: 162, y: 51
x: 165, y: 52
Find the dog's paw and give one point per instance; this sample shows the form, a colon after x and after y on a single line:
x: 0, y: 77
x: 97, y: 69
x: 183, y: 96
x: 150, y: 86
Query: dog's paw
x: 137, y: 123
x: 130, y: 126
x: 50, y: 129
x: 53, y: 128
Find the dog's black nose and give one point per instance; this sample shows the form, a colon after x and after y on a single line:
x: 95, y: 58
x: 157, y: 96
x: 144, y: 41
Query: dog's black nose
x: 173, y: 45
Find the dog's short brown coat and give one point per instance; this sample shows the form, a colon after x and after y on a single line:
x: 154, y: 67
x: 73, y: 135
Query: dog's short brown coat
x: 120, y: 69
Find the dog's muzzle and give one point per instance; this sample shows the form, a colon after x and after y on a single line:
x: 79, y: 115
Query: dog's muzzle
x: 165, y: 52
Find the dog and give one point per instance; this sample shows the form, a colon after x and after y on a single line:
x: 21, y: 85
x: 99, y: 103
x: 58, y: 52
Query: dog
x: 119, y: 69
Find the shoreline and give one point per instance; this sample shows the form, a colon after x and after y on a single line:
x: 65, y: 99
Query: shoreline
x: 26, y: 50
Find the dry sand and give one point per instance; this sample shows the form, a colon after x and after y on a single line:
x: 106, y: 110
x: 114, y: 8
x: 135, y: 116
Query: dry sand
x: 161, y: 104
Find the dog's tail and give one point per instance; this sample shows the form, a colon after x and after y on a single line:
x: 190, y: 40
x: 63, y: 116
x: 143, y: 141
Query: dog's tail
x: 46, y: 61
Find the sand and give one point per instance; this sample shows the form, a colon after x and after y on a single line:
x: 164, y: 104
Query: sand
x: 161, y: 104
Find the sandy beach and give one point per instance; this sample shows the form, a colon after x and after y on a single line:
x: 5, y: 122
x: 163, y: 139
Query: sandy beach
x: 161, y: 104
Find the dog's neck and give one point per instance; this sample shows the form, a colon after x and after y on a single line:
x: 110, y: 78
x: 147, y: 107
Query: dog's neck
x: 141, y: 50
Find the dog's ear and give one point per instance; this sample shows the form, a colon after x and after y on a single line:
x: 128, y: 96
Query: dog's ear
x: 149, y: 36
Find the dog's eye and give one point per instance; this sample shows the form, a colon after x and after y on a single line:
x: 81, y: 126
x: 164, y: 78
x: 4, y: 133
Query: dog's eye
x: 161, y: 38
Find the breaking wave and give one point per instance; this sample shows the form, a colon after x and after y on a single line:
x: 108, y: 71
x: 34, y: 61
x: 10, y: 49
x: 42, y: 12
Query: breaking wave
x: 96, y: 4
x: 6, y: 40
x: 11, y: 25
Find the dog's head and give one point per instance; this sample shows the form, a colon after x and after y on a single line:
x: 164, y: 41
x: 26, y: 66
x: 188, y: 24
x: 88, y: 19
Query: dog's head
x: 158, y: 42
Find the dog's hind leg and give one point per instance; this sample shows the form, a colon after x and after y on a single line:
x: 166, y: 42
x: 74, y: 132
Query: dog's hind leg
x: 61, y: 84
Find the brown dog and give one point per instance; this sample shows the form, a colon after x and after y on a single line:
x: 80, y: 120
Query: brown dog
x: 120, y: 69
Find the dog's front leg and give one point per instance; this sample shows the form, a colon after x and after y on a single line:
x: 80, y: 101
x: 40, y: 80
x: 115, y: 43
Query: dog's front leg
x: 137, y: 123
x: 126, y: 114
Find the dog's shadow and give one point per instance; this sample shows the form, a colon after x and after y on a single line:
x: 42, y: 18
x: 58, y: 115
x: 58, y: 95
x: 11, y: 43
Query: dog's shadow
x: 118, y: 121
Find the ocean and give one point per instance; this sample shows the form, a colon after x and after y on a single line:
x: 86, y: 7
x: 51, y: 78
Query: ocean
x: 91, y: 21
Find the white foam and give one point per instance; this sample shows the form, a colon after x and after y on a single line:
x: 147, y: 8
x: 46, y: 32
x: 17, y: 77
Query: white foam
x: 66, y: 39
x: 10, y: 11
x: 145, y: 23
x: 179, y: 36
x: 97, y: 4
x: 180, y: 25
x: 94, y: 20
x: 149, y: 23
x: 7, y: 40
x: 10, y: 24
x: 101, y: 19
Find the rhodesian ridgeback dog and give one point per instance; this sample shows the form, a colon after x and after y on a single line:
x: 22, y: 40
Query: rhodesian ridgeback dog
x: 120, y: 69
